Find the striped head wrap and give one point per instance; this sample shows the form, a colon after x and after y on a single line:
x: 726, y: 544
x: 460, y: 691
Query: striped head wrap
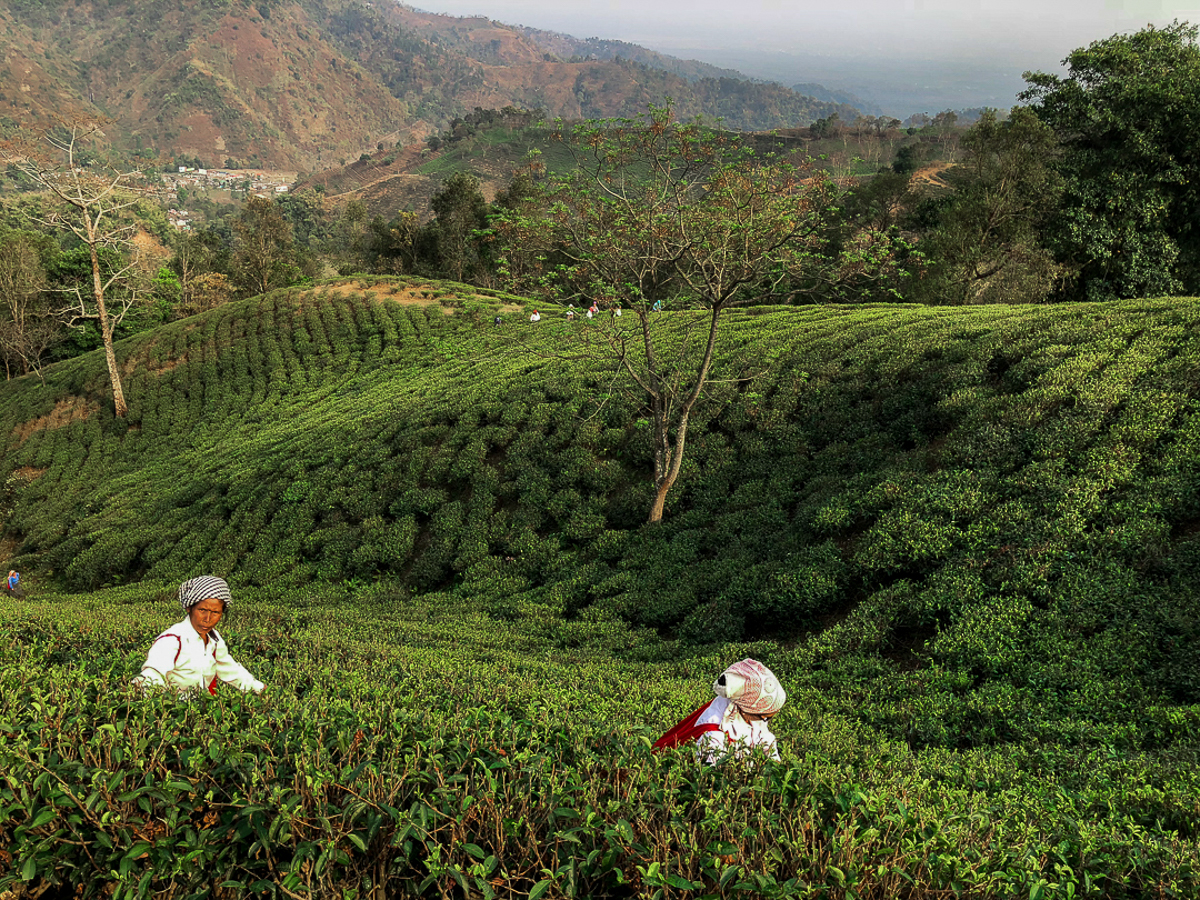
x: 202, y: 587
x: 752, y: 687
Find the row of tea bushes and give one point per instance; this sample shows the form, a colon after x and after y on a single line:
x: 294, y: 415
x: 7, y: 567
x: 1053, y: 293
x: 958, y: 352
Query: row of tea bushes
x: 416, y: 748
x: 996, y: 505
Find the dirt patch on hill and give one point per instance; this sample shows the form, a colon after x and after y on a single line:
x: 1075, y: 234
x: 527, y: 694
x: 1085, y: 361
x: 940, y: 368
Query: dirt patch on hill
x: 161, y: 367
x: 154, y: 366
x: 932, y: 175
x: 28, y: 473
x: 404, y: 294
x: 411, y: 294
x: 404, y: 191
x: 73, y: 409
x: 148, y: 243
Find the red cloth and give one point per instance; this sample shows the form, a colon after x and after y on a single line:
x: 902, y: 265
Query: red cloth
x: 687, y: 730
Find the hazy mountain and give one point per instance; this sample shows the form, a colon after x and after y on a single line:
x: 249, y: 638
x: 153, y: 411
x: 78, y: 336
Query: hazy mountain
x: 568, y: 47
x: 820, y: 92
x: 305, y: 84
x: 895, y: 86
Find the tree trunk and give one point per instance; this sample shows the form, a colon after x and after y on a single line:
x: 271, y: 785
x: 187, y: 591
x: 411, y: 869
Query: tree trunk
x: 668, y: 459
x: 660, y: 500
x: 670, y: 472
x: 110, y: 355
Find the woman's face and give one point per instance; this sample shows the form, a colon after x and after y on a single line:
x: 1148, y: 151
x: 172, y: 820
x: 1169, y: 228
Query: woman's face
x: 206, y: 614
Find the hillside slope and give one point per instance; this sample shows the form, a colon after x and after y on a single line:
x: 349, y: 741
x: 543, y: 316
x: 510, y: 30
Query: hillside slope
x: 977, y: 496
x: 966, y: 540
x: 307, y: 84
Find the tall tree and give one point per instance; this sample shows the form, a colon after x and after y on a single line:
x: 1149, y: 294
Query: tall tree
x: 94, y: 203
x: 1128, y: 116
x: 659, y: 212
x: 393, y: 247
x: 461, y: 212
x: 199, y: 260
x: 986, y: 241
x: 304, y: 211
x: 264, y: 250
x: 347, y: 243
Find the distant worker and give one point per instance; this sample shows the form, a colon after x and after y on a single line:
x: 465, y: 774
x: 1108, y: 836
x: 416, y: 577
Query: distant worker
x: 13, y: 584
x: 657, y: 306
x: 536, y: 317
x: 497, y: 321
x: 617, y: 311
x: 191, y: 657
x: 737, y: 723
x: 570, y: 313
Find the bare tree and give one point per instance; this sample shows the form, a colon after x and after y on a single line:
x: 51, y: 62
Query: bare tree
x: 27, y: 323
x: 945, y: 124
x: 658, y: 215
x: 195, y: 262
x: 93, y: 203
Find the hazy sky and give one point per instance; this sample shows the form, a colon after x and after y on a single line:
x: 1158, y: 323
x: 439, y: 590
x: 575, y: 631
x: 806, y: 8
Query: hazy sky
x: 1041, y: 28
x: 895, y: 56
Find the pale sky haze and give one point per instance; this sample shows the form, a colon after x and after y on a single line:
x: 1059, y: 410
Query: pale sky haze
x: 902, y: 56
x: 970, y: 26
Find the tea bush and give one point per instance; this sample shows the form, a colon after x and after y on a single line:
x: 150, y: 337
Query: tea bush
x: 416, y: 747
x: 976, y: 527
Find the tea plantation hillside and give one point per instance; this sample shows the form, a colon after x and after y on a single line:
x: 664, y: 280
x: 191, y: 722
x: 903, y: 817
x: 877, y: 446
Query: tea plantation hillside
x: 1009, y: 494
x: 967, y: 540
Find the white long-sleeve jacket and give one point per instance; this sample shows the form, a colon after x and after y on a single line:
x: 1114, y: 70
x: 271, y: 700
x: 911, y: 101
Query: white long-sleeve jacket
x: 734, y: 736
x: 179, y: 659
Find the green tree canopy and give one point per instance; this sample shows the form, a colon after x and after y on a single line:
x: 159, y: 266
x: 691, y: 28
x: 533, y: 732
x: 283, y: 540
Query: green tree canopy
x: 1128, y: 116
x: 461, y: 211
x: 986, y: 241
x: 264, y: 251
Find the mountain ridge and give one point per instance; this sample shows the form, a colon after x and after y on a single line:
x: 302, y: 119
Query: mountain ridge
x: 309, y: 84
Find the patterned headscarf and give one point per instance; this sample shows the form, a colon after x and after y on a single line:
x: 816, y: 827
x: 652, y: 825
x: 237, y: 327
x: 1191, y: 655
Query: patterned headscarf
x: 203, y: 587
x: 752, y: 687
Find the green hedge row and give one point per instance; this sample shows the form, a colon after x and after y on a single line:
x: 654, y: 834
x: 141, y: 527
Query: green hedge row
x: 414, y: 750
x: 978, y: 497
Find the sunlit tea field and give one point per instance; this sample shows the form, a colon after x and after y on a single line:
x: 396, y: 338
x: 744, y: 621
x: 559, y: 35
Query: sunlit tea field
x: 967, y: 541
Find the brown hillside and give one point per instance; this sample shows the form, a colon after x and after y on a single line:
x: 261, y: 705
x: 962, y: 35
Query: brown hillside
x: 31, y: 87
x: 310, y: 84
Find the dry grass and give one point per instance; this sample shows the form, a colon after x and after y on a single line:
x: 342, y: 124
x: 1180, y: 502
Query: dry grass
x: 66, y: 411
x: 405, y: 295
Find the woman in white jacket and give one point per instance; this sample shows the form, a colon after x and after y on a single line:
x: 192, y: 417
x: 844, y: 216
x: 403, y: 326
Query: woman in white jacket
x: 737, y: 723
x: 190, y: 656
